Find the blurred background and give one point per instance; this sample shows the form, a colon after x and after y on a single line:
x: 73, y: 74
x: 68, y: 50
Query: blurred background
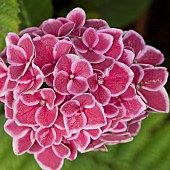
x: 150, y: 150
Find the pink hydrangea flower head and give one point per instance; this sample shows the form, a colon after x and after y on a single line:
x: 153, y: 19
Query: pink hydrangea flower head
x: 73, y: 85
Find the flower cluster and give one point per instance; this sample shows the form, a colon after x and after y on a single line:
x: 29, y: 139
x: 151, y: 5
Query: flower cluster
x: 75, y: 85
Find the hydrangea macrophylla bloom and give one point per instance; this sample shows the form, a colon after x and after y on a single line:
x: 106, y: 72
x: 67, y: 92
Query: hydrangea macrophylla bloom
x: 74, y: 85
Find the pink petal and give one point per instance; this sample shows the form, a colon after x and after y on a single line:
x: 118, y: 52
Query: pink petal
x: 138, y: 73
x: 44, y: 49
x: 59, y: 123
x: 47, y: 159
x: 86, y: 100
x: 150, y: 55
x: 94, y: 133
x: 59, y: 99
x: 157, y: 100
x: 134, y: 40
x: 119, y: 79
x: 25, y: 114
x: 15, y: 130
x: 129, y: 93
x: 81, y: 68
x: 73, y: 149
x: 134, y: 107
x: 35, y: 148
x: 80, y: 46
x: 90, y: 37
x: 11, y: 39
x: 77, y: 85
x: 102, y: 95
x: 22, y: 145
x: 82, y: 141
x: 61, y: 150
x: 51, y: 26
x: 26, y: 43
x: 92, y: 82
x: 8, y: 112
x: 117, y: 46
x: 96, y: 23
x: 66, y: 29
x: 69, y: 108
x: 61, y: 48
x: 61, y: 80
x: 127, y: 57
x: 16, y: 55
x: 120, y: 127
x: 45, y: 117
x: 95, y: 117
x: 111, y: 110
x: 104, y: 44
x: 78, y: 16
x: 154, y: 78
x: 75, y: 123
x: 134, y: 128
x: 3, y: 69
x: 49, y: 96
x: 45, y: 136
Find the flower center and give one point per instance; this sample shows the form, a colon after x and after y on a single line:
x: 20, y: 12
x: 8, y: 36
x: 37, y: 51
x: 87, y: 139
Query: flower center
x: 42, y: 102
x: 71, y: 76
x: 100, y: 81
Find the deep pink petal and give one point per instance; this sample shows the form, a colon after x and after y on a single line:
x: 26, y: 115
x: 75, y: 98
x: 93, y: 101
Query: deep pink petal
x: 150, y: 55
x: 154, y: 78
x: 80, y: 46
x: 156, y: 100
x: 61, y: 150
x: 60, y: 82
x: 16, y: 55
x: 90, y: 37
x: 119, y: 79
x: 86, y: 100
x: 134, y: 128
x: 81, y: 68
x: 94, y: 133
x: 92, y: 82
x: 78, y: 16
x: 8, y: 112
x: 15, y: 130
x: 22, y: 145
x: 59, y: 99
x: 45, y: 136
x: 11, y: 39
x: 35, y: 148
x: 133, y: 40
x: 129, y: 93
x: 120, y: 127
x: 26, y: 43
x: 95, y: 117
x: 66, y: 29
x: 75, y: 123
x: 69, y: 108
x: 47, y: 159
x: 77, y: 85
x: 102, y: 95
x: 82, y: 141
x: 45, y: 117
x: 61, y: 48
x: 96, y: 23
x: 111, y: 110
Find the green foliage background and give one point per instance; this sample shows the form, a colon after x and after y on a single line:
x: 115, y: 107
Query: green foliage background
x: 150, y: 150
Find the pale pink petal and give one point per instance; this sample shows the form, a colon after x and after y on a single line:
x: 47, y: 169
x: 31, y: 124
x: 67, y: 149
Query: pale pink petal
x: 81, y: 68
x: 69, y: 108
x: 133, y: 40
x: 117, y: 46
x: 15, y: 130
x: 102, y: 95
x: 66, y: 29
x: 45, y: 117
x: 92, y: 82
x: 26, y: 43
x: 51, y: 26
x: 77, y: 85
x: 11, y: 39
x: 90, y: 37
x: 48, y: 160
x: 61, y: 48
x: 80, y: 46
x: 78, y: 16
x: 111, y: 110
x: 61, y: 150
x: 95, y: 117
x: 61, y: 80
x: 45, y: 136
x: 150, y: 55
x: 94, y: 133
x: 82, y: 141
x: 86, y: 100
x: 129, y: 93
x: 22, y: 145
x: 75, y: 123
x: 156, y: 100
x: 118, y: 79
x: 96, y: 23
x: 134, y: 107
x: 154, y: 78
x: 16, y: 55
x: 24, y: 114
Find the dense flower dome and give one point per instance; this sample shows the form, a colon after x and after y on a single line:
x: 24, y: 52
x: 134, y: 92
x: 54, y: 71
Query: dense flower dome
x: 75, y: 85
